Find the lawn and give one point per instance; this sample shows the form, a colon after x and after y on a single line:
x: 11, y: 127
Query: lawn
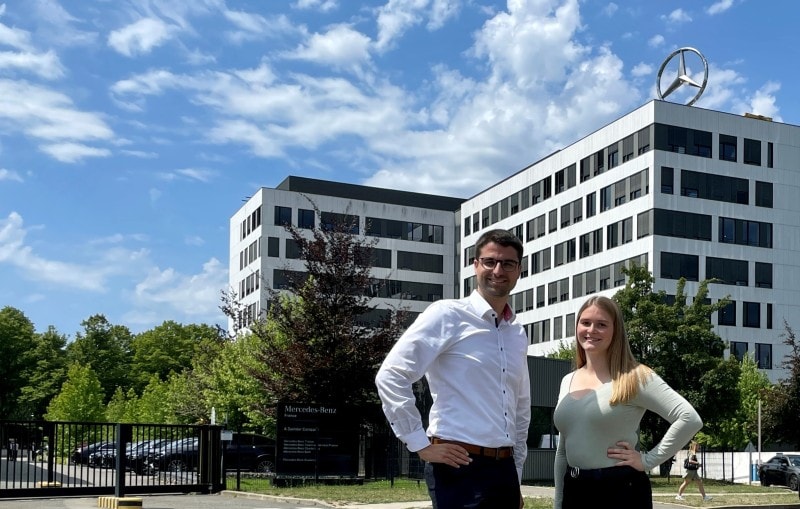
x: 407, y: 490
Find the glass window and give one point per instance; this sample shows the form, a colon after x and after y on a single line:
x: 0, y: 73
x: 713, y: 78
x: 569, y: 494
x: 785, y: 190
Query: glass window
x: 764, y: 356
x: 727, y: 147
x: 764, y: 194
x: 727, y: 315
x: 739, y: 349
x: 305, y: 218
x: 752, y: 152
x: 667, y: 180
x: 273, y: 247
x: 570, y: 324
x: 752, y: 314
x: 283, y: 216
x: 763, y: 275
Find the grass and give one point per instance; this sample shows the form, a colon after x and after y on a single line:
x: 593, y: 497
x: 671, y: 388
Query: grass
x: 409, y: 490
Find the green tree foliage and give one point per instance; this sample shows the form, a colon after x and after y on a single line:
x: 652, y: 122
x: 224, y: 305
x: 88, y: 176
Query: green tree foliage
x: 782, y: 405
x: 81, y: 397
x: 321, y: 342
x: 742, y: 427
x: 565, y: 351
x: 676, y: 339
x: 170, y: 347
x: 123, y: 407
x: 16, y: 360
x: 47, y: 373
x: 108, y: 349
x: 234, y: 391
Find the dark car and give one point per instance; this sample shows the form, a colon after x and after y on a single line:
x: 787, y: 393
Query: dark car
x: 82, y: 452
x: 176, y: 456
x: 249, y: 451
x: 783, y: 469
x: 103, y: 455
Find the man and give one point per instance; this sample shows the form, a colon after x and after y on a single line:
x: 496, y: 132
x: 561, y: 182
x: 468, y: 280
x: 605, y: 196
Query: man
x: 474, y: 357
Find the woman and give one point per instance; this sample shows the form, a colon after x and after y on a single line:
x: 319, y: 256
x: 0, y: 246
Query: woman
x: 599, y: 409
x: 692, y: 465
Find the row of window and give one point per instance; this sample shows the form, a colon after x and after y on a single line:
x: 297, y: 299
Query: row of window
x: 751, y: 315
x: 762, y: 354
x: 689, y: 225
x: 684, y: 140
x: 387, y: 288
x: 724, y: 270
x: 250, y: 284
x: 250, y: 223
x: 375, y: 227
x: 250, y: 254
x: 709, y: 186
x: 599, y: 162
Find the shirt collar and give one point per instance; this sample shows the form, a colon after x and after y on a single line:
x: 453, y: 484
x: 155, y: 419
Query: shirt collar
x: 483, y: 308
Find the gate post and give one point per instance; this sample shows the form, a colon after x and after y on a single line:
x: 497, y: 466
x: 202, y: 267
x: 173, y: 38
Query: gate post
x: 124, y: 434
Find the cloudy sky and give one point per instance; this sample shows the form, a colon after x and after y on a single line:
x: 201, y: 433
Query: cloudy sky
x: 131, y: 130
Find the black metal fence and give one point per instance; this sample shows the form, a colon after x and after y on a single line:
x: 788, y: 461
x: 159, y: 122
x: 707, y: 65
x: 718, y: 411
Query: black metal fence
x: 40, y: 458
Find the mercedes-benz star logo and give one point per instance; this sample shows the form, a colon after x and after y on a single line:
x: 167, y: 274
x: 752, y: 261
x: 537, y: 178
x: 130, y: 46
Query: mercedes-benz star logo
x: 682, y: 78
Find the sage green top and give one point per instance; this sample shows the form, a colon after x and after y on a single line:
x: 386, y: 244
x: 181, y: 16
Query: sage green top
x: 588, y: 426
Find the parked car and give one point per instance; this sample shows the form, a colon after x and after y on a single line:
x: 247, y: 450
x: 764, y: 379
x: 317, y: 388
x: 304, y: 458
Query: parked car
x: 249, y: 451
x: 176, y: 456
x: 103, y: 455
x: 81, y: 453
x: 782, y: 469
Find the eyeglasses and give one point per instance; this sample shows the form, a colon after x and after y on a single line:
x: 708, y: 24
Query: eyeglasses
x: 491, y: 263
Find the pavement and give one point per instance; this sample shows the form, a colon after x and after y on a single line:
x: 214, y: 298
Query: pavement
x: 242, y: 500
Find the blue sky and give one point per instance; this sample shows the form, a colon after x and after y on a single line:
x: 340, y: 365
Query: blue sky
x: 131, y: 130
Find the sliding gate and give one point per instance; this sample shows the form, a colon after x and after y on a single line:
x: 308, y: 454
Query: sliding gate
x: 46, y: 459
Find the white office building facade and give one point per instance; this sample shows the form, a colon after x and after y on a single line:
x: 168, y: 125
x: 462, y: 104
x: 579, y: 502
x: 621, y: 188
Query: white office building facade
x: 688, y: 192
x: 413, y: 261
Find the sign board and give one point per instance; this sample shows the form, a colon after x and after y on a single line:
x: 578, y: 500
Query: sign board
x: 316, y: 442
x: 226, y: 436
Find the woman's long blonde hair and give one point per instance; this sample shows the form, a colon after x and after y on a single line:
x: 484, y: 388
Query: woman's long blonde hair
x: 626, y: 373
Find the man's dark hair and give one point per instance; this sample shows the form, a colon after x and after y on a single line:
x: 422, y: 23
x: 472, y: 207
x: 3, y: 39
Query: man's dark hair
x: 501, y: 237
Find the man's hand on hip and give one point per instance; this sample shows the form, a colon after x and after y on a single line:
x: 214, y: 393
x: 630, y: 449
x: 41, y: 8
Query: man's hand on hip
x: 449, y: 454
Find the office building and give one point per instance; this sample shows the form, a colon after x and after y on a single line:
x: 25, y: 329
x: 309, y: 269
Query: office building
x: 686, y: 191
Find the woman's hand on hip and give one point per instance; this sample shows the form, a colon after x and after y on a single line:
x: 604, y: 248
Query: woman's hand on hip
x: 627, y: 455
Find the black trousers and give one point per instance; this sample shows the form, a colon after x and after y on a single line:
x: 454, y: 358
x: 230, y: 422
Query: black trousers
x: 615, y: 487
x: 486, y: 483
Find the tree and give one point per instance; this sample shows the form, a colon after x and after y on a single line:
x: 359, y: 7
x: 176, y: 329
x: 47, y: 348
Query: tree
x: 783, y: 403
x: 677, y: 341
x: 47, y: 373
x: 323, y: 342
x: 16, y: 343
x: 107, y: 348
x: 169, y: 347
x: 80, y: 399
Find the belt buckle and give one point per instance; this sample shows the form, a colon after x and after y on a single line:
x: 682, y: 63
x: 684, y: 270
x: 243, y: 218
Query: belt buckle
x: 574, y: 472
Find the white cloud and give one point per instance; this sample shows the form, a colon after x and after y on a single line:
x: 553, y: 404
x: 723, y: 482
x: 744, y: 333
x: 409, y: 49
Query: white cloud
x: 194, y: 240
x: 642, y: 69
x: 51, y: 117
x: 9, y: 175
x: 677, y: 16
x: 340, y: 47
x: 73, y: 152
x: 656, y: 41
x: 719, y: 7
x: 140, y: 37
x: 610, y: 9
x: 46, y: 65
x: 397, y: 16
x: 15, y: 37
x: 14, y: 252
x: 320, y: 5
x: 191, y: 295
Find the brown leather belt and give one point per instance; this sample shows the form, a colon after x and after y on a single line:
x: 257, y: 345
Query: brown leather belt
x: 497, y: 453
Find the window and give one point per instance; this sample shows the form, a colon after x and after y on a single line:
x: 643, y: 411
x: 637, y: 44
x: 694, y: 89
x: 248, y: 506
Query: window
x: 644, y: 224
x: 305, y: 218
x: 678, y: 265
x: 728, y: 272
x: 685, y: 225
x: 763, y: 275
x: 558, y: 327
x: 586, y: 170
x: 764, y: 356
x: 709, y: 186
x: 553, y: 220
x: 667, y: 180
x: 570, y: 323
x: 727, y: 315
x: 613, y: 156
x: 421, y: 262
x: 331, y: 221
x: 769, y: 316
x: 540, y: 296
x: 273, y: 247
x: 643, y: 140
x: 745, y: 233
x: 292, y: 250
x: 467, y: 224
x: 727, y: 147
x: 770, y: 158
x: 590, y: 205
x: 752, y: 314
x: 283, y: 216
x: 627, y: 148
x: 764, y: 194
x: 752, y: 152
x: 739, y: 349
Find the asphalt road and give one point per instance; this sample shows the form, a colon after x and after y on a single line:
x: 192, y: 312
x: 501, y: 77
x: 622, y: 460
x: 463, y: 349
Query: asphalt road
x: 167, y: 502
